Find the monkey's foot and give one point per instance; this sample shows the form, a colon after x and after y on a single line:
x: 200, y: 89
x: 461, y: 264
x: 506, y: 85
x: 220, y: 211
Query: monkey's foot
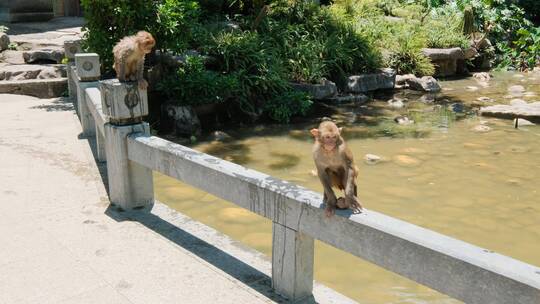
x: 354, y: 204
x: 329, y: 211
x: 143, y: 84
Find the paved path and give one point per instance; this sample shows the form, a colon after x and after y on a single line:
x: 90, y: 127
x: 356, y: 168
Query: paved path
x: 61, y: 243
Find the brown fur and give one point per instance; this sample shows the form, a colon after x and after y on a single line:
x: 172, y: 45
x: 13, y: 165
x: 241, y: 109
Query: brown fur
x: 335, y: 167
x: 129, y: 57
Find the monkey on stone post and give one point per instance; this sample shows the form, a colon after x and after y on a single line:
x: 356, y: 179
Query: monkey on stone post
x: 129, y: 57
x: 335, y: 168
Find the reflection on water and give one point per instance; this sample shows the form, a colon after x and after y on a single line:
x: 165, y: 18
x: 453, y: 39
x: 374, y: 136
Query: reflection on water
x: 440, y: 173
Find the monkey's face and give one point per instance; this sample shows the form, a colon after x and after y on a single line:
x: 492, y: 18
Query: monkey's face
x: 146, y: 42
x: 328, y: 134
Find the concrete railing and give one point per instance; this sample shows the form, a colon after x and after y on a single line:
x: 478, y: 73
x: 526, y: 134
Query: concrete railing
x: 458, y: 269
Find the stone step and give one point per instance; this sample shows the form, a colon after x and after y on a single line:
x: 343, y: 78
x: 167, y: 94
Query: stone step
x: 31, y: 71
x: 41, y: 88
x: 529, y: 111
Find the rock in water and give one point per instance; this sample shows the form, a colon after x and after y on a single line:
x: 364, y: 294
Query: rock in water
x: 372, y: 159
x: 445, y: 60
x: 529, y: 111
x: 403, y: 120
x: 386, y: 79
x: 4, y: 41
x: 520, y: 122
x: 426, y: 83
x: 481, y: 129
x: 484, y: 99
x: 325, y: 89
x: 482, y: 76
x: 516, y: 89
x: 221, y: 136
x: 396, y: 103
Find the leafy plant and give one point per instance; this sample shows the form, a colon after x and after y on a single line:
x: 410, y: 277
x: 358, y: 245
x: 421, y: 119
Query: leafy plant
x: 173, y: 24
x: 193, y: 84
x: 107, y: 21
x: 407, y: 58
x: 3, y: 29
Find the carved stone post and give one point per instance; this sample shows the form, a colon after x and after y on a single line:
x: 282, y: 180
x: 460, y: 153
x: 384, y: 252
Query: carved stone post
x: 292, y: 262
x: 88, y: 73
x: 130, y: 184
x: 71, y: 47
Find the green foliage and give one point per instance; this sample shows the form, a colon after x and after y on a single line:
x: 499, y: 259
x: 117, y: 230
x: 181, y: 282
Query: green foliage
x: 407, y: 58
x: 173, y: 24
x: 445, y: 31
x: 3, y: 29
x: 525, y: 54
x: 252, y: 69
x: 288, y: 104
x: 107, y: 21
x: 193, y: 84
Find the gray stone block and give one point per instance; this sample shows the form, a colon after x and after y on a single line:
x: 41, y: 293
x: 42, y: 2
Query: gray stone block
x: 44, y: 55
x: 4, y: 41
x: 326, y: 89
x: 385, y: 79
x: 41, y: 88
x: 124, y: 102
x: 88, y: 66
x: 72, y: 47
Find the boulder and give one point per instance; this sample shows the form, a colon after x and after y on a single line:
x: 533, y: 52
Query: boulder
x: 183, y: 118
x: 529, y: 111
x: 401, y: 80
x: 44, y: 55
x: 4, y: 41
x: 470, y: 53
x: 426, y: 84
x: 482, y: 76
x: 445, y: 60
x: 385, y: 79
x: 325, y: 89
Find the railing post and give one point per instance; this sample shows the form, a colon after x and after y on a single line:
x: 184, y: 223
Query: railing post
x: 88, y: 73
x: 100, y: 146
x: 71, y: 47
x: 292, y: 262
x: 130, y: 184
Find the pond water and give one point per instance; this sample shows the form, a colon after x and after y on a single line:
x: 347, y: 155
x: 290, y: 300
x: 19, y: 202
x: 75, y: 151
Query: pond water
x: 477, y: 184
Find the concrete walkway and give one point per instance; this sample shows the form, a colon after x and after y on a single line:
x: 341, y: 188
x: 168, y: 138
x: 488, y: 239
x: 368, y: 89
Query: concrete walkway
x: 61, y: 243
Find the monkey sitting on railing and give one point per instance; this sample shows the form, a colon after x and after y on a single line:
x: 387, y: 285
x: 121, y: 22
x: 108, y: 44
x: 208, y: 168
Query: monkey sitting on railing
x: 129, y: 57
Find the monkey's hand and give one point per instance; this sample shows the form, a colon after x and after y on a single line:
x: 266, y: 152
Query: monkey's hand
x: 143, y: 84
x: 353, y: 203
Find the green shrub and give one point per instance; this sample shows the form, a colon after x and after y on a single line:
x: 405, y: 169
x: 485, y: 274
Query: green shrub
x: 407, y: 58
x: 173, y: 24
x: 445, y: 32
x: 107, y: 21
x: 193, y: 84
x: 287, y: 104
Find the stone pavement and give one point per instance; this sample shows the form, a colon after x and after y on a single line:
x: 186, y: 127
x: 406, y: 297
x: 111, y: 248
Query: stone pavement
x: 60, y: 242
